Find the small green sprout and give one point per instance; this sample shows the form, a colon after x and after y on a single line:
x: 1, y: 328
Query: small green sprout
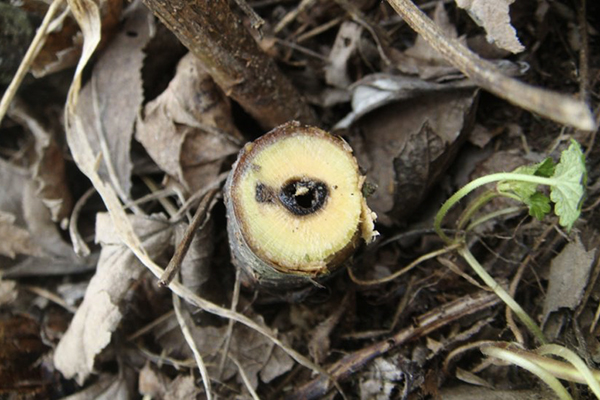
x: 566, y: 182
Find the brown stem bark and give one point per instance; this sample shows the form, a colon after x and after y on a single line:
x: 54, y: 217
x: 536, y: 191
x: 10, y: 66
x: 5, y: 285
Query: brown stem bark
x: 425, y: 324
x: 211, y: 31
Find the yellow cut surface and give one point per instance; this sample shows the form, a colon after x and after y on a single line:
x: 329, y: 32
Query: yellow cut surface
x: 300, y: 242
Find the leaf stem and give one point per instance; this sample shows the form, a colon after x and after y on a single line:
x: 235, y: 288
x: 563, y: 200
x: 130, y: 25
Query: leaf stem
x: 484, y: 180
x: 503, y: 294
x: 532, y: 367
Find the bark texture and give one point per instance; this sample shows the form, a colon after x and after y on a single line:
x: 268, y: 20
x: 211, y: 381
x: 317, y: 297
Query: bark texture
x: 211, y: 31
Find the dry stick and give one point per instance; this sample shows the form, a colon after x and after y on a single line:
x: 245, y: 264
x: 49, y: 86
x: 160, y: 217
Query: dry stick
x: 30, y: 55
x: 229, y: 333
x: 244, y: 378
x: 184, y: 245
x: 147, y: 328
x: 234, y: 60
x: 189, y: 338
x: 289, y: 17
x: 51, y: 296
x: 255, y: 20
x: 512, y: 290
x: 424, y: 325
x: 79, y: 246
x: 554, y: 106
x: 584, y: 70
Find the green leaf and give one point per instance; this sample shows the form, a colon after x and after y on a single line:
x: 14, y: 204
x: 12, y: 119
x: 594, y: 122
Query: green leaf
x: 570, y: 178
x: 539, y: 205
x: 524, y: 190
x: 546, y: 168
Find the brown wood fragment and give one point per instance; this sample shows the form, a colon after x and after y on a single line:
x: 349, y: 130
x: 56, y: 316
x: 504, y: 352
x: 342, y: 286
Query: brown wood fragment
x: 218, y: 38
x: 424, y: 325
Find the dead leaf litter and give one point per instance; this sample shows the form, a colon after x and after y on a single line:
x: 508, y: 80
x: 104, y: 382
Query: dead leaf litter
x: 118, y: 142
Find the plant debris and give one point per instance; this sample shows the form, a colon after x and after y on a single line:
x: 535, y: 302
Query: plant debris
x: 474, y: 123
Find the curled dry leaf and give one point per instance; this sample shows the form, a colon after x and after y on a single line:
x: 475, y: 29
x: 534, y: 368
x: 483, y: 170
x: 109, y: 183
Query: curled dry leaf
x: 62, y: 47
x: 110, y: 102
x: 494, y: 16
x: 569, y: 274
x: 188, y: 129
x: 257, y: 355
x: 346, y: 44
x: 99, y: 314
x: 423, y: 60
x: 26, y: 226
x: 8, y: 292
x: 48, y: 169
x: 406, y: 146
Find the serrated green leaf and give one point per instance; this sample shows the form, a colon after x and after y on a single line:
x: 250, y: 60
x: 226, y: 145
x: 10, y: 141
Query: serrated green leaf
x: 546, y: 168
x: 539, y: 205
x: 524, y: 190
x: 567, y: 192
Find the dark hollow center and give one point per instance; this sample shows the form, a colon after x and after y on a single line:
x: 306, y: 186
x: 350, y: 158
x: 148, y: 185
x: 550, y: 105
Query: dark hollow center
x: 303, y: 196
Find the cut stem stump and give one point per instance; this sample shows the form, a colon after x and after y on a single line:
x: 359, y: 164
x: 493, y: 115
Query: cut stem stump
x: 211, y: 31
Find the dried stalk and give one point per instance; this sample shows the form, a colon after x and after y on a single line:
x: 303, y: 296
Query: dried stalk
x: 230, y: 54
x: 32, y: 52
x: 551, y: 105
x: 424, y: 325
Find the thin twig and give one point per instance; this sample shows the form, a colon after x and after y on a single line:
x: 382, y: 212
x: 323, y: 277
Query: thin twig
x: 554, y: 106
x: 319, y: 29
x: 50, y: 296
x: 79, y: 246
x: 184, y: 245
x: 190, y: 341
x: 255, y: 20
x: 228, y: 335
x: 512, y: 290
x: 406, y: 269
x: 291, y: 16
x: 424, y: 325
x: 244, y: 378
x: 34, y: 48
x: 584, y: 69
x: 150, y: 326
x: 189, y: 203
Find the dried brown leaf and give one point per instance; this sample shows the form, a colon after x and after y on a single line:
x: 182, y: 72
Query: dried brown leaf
x: 569, y: 273
x: 195, y: 268
x: 494, y: 17
x: 423, y: 60
x: 407, y: 146
x: 48, y: 169
x: 26, y: 226
x: 8, y: 292
x: 345, y: 45
x: 15, y: 240
x: 63, y: 44
x: 188, y: 130
x: 99, y: 314
x: 182, y: 387
x: 110, y: 102
x: 256, y: 353
x: 152, y: 383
